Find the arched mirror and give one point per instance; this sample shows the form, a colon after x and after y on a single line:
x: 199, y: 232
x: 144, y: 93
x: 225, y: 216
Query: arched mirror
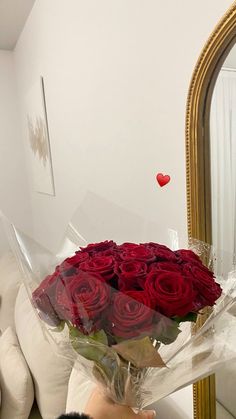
x: 211, y: 183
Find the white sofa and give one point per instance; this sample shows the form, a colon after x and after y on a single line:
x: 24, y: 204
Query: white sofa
x: 47, y: 385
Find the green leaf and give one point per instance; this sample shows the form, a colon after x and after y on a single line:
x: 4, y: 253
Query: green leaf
x: 190, y: 317
x: 166, y: 330
x: 140, y: 353
x: 99, y: 337
x: 88, y: 351
x: 92, y: 347
x: 74, y: 333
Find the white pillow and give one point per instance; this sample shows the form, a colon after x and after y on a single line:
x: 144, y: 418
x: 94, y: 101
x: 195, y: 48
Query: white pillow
x: 10, y: 281
x: 50, y: 372
x: 15, y: 379
x: 79, y: 391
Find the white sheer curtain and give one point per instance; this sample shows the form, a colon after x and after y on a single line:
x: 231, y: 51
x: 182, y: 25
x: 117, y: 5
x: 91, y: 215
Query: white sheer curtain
x: 223, y: 169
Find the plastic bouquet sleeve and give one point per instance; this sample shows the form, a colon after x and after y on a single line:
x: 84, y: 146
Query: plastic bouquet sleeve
x: 124, y: 310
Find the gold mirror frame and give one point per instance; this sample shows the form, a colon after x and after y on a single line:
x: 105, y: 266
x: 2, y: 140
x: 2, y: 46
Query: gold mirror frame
x: 198, y: 164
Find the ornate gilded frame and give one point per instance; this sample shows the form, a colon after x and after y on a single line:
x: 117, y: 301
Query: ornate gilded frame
x: 198, y: 163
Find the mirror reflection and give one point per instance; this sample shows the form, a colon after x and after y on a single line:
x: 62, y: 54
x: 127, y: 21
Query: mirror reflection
x: 223, y: 204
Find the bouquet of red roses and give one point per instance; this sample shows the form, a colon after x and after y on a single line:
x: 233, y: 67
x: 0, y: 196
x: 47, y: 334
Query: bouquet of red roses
x: 124, y: 311
x: 120, y: 303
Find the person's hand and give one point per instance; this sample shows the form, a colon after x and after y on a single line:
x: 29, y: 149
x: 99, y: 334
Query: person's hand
x: 99, y: 407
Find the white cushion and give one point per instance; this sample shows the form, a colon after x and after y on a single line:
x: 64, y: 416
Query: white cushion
x: 50, y: 372
x: 79, y: 391
x: 10, y: 281
x: 15, y: 379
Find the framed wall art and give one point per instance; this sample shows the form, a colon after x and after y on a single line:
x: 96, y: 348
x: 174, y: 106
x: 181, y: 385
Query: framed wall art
x: 38, y: 139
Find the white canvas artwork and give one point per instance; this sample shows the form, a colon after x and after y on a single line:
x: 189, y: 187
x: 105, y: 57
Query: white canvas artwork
x: 38, y: 139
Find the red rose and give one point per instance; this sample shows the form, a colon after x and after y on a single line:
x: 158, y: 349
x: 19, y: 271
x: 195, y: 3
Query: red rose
x: 165, y: 266
x: 142, y: 296
x: 129, y: 317
x: 103, y: 265
x: 75, y: 260
x: 99, y: 247
x: 188, y: 256
x: 162, y: 253
x: 83, y: 300
x: 70, y: 265
x: 131, y: 274
x: 141, y: 253
x: 207, y: 290
x: 172, y: 293
x: 127, y: 246
x: 44, y: 299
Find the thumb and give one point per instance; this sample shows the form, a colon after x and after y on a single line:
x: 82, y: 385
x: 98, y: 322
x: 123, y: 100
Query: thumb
x: 146, y: 414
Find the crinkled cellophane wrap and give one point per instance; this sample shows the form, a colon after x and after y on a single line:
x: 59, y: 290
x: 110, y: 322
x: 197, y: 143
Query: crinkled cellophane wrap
x: 183, y: 361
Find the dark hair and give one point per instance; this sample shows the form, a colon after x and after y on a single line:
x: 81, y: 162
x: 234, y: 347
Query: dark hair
x: 74, y: 416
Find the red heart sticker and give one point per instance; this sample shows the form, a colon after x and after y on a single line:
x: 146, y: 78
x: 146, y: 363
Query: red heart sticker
x: 162, y: 179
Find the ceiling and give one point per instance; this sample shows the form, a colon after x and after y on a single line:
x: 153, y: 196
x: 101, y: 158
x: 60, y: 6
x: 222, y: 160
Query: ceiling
x: 13, y: 15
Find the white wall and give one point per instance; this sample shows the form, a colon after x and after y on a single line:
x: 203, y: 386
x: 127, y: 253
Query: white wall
x: 14, y: 197
x: 116, y: 76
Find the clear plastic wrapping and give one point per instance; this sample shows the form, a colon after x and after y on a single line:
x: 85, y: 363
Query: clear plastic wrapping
x: 125, y: 311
